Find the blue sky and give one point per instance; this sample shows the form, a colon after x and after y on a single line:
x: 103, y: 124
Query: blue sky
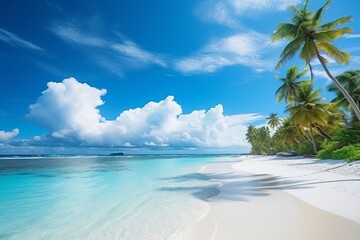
x: 145, y: 76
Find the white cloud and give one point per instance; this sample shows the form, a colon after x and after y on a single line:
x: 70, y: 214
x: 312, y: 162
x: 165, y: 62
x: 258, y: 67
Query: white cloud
x: 249, y: 49
x: 13, y: 40
x: 114, y: 55
x: 334, y: 68
x: 227, y: 12
x: 243, y: 7
x: 5, y: 136
x: 73, y: 34
x: 218, y: 12
x: 321, y: 74
x: 69, y: 110
x: 352, y: 36
x: 130, y: 49
x: 68, y: 106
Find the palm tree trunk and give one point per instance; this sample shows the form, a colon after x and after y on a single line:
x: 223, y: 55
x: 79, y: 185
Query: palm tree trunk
x: 313, y: 140
x: 306, y: 137
x: 340, y: 87
x: 311, y: 73
x: 322, y: 133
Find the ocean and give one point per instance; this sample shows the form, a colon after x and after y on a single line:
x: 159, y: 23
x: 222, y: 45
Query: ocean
x: 102, y: 197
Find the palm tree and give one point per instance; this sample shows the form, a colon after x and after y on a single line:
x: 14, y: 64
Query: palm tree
x: 290, y: 132
x: 335, y: 119
x: 290, y: 84
x: 351, y: 82
x: 273, y: 120
x: 260, y: 140
x: 250, y: 134
x: 312, y: 39
x: 308, y: 110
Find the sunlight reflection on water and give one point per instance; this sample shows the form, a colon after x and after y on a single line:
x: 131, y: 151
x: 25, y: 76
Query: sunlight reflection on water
x: 98, y: 197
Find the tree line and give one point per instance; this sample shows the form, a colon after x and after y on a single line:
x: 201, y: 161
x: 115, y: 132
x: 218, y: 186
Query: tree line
x: 313, y: 126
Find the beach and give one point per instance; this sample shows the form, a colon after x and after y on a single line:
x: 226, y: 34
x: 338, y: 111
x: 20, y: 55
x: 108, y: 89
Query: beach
x: 178, y: 197
x: 282, y: 198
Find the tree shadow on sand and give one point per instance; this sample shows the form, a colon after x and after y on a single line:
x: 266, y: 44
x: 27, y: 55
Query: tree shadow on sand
x: 234, y: 187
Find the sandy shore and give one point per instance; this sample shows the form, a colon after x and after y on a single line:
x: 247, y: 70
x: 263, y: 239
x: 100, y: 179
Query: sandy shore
x: 282, y: 198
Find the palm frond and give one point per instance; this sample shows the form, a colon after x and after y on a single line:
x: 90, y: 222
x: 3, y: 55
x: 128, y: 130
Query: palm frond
x: 316, y: 19
x: 336, y: 22
x: 298, y: 14
x: 284, y: 30
x: 303, y: 26
x: 301, y: 74
x: 314, y: 96
x: 330, y: 35
x: 292, y: 72
x: 351, y: 82
x: 289, y: 51
x: 305, y: 6
x: 332, y: 88
x: 334, y: 52
x: 308, y: 51
x: 280, y: 78
x: 280, y: 93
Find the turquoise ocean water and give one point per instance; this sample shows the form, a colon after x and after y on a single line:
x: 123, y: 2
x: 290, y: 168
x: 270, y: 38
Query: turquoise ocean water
x: 102, y: 197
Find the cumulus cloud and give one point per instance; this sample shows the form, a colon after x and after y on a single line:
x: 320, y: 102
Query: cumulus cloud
x: 69, y: 107
x: 5, y: 136
x: 69, y: 110
x: 227, y: 12
x: 249, y: 49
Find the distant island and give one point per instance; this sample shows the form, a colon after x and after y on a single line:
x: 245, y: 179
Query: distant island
x: 117, y: 154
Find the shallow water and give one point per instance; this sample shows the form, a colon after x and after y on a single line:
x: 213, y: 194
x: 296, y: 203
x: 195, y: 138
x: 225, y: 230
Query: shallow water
x: 101, y: 197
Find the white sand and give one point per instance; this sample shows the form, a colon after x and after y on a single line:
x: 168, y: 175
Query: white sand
x: 282, y: 198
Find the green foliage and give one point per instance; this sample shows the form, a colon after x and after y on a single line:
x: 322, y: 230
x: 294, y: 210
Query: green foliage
x: 309, y: 36
x: 340, y: 142
x: 350, y: 80
x: 260, y: 140
x: 344, y: 146
x: 262, y: 143
x: 349, y: 152
x: 273, y: 120
x: 290, y: 85
x: 303, y: 148
x: 355, y: 156
x: 347, y: 136
x: 328, y: 148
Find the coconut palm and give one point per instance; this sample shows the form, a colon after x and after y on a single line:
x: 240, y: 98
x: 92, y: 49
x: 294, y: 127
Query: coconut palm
x: 313, y: 39
x: 335, y: 119
x: 351, y: 82
x: 309, y: 110
x: 290, y: 132
x: 250, y: 134
x: 260, y: 140
x: 273, y: 120
x: 290, y: 84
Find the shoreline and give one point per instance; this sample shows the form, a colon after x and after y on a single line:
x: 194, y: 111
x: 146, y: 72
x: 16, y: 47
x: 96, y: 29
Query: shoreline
x: 283, y: 197
x: 322, y: 180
